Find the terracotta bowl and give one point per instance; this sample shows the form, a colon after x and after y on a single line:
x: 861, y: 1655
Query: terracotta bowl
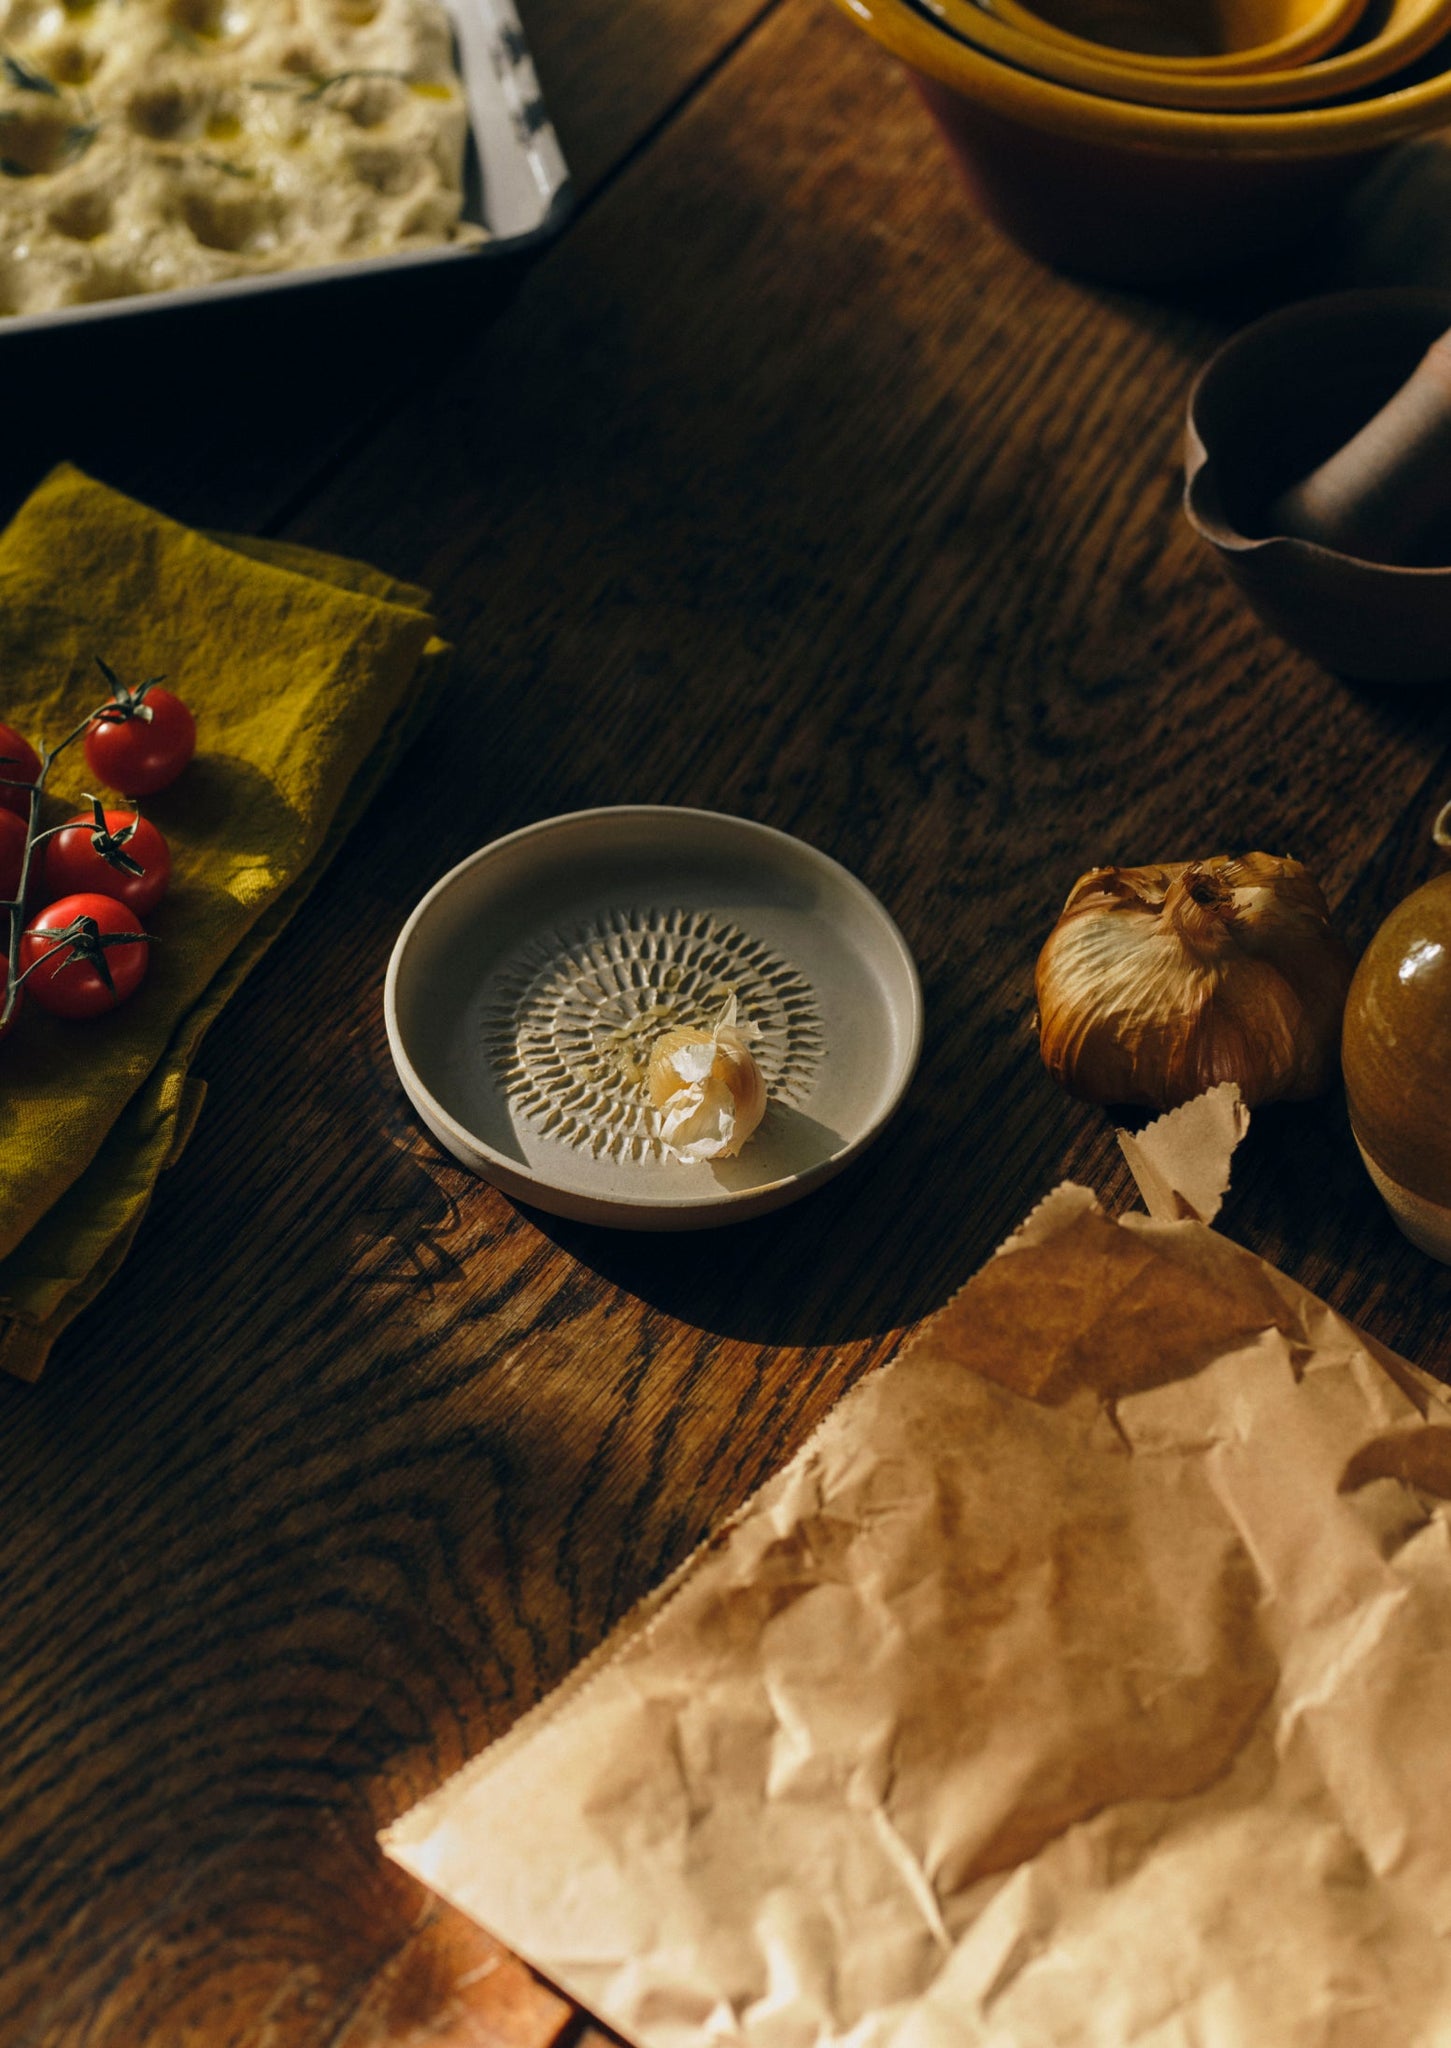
x: 1136, y: 194
x: 1398, y: 34
x: 1267, y: 409
x: 1214, y: 37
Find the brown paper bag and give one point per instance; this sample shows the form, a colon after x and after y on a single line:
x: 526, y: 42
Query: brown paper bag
x: 1084, y: 1681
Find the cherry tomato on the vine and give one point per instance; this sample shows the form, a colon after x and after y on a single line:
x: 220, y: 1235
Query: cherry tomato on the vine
x: 108, y: 853
x: 13, y: 834
x: 83, y: 955
x: 19, y: 762
x: 141, y: 741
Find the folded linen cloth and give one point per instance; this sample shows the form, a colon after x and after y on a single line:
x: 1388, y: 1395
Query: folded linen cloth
x: 308, y: 676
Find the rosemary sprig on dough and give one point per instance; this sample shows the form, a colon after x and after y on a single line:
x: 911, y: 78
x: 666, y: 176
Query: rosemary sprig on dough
x: 313, y: 85
x: 24, y: 79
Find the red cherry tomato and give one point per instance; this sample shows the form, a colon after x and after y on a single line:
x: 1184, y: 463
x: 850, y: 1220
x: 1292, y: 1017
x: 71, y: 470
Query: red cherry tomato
x: 73, y: 946
x: 13, y: 834
x: 21, y: 763
x: 142, y: 742
x: 108, y: 853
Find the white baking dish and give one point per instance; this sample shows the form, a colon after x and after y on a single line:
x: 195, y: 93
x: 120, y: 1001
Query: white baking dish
x: 516, y: 182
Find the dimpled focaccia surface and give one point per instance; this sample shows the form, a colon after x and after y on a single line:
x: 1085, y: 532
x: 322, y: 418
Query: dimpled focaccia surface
x: 146, y: 144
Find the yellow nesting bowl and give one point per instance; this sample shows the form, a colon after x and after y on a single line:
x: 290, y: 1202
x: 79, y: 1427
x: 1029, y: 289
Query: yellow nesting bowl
x: 1138, y: 194
x: 1400, y: 32
x: 1210, y: 37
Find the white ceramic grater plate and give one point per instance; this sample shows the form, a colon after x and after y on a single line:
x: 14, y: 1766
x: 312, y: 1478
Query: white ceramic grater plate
x: 525, y: 990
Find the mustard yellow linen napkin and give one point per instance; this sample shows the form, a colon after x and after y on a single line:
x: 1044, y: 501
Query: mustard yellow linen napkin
x: 308, y: 676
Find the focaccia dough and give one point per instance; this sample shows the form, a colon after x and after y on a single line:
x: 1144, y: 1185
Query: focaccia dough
x: 185, y: 141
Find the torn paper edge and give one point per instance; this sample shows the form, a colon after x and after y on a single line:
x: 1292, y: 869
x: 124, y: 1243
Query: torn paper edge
x: 1181, y: 1162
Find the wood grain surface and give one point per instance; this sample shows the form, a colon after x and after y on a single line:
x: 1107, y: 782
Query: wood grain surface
x: 809, y: 499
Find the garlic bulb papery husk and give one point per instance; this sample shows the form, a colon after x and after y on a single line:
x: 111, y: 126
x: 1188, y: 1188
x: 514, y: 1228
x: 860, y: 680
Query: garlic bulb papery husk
x: 709, y: 1086
x: 1159, y: 982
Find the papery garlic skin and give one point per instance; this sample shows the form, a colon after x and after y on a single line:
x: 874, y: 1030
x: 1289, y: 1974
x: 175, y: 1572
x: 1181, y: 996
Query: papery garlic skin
x: 1159, y: 982
x: 709, y: 1086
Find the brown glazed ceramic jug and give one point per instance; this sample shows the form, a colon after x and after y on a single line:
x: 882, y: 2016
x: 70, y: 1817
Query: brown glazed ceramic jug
x: 1396, y: 1052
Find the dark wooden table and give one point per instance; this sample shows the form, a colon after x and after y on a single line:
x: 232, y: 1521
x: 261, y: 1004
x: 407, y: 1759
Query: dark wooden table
x: 785, y: 487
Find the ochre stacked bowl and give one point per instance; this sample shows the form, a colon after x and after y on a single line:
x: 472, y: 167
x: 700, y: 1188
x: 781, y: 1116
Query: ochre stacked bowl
x: 1196, y: 154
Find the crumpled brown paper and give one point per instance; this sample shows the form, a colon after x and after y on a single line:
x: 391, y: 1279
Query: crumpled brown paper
x: 1085, y: 1681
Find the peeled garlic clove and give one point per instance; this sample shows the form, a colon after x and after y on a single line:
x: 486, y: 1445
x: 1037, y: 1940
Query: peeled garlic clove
x: 1158, y: 982
x: 709, y: 1086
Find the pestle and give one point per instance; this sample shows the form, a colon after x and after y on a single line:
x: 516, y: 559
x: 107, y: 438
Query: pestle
x: 1379, y: 495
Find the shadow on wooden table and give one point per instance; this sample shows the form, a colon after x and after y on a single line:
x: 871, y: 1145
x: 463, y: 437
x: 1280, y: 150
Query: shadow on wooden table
x: 804, y: 1275
x: 229, y: 411
x: 1395, y: 229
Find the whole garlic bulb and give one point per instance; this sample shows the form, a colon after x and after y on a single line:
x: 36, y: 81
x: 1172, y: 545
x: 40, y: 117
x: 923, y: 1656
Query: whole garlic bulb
x: 709, y: 1087
x: 1158, y: 982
